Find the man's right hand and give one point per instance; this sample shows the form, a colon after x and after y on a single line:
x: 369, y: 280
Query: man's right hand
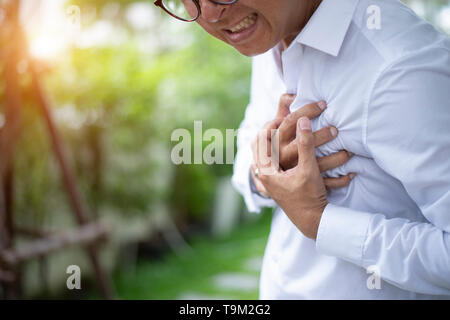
x: 285, y: 123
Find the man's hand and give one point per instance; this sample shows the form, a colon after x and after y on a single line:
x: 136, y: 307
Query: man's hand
x: 299, y: 191
x: 286, y: 131
x: 286, y: 123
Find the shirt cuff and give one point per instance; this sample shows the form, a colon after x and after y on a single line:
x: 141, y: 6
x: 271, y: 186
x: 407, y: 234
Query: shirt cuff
x: 253, y: 202
x: 261, y: 202
x: 342, y: 233
x: 241, y: 182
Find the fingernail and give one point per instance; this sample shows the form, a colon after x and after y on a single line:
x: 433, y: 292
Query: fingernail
x: 322, y: 105
x: 352, y: 175
x: 304, y: 123
x: 350, y: 154
x: 333, y: 131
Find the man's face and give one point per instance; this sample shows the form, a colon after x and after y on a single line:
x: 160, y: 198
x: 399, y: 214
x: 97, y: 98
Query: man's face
x: 255, y: 26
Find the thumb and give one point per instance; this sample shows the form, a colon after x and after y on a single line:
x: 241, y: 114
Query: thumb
x: 305, y: 142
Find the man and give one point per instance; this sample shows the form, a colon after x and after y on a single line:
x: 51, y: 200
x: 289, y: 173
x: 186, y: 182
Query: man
x: 385, y: 77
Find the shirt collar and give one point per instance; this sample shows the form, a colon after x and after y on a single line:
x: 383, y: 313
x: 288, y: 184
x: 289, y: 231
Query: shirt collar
x: 326, y: 29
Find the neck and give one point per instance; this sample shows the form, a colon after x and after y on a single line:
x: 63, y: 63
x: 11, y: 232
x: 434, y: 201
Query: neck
x: 311, y: 7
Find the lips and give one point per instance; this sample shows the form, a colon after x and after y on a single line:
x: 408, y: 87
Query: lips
x: 243, y: 29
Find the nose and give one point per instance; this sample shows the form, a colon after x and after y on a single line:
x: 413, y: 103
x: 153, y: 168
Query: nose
x: 211, y: 12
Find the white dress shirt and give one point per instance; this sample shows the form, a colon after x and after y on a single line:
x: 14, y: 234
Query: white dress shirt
x: 388, y: 93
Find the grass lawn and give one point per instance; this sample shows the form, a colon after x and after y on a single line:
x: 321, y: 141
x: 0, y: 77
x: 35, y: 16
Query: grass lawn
x: 193, y: 273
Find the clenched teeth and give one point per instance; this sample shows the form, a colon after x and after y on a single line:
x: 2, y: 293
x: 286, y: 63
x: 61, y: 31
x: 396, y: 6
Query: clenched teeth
x: 244, y: 24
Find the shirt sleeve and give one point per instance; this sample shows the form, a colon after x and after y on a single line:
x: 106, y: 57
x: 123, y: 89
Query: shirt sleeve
x: 407, y: 132
x: 266, y: 89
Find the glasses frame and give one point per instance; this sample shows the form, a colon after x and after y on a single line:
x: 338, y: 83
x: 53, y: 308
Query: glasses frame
x: 159, y: 3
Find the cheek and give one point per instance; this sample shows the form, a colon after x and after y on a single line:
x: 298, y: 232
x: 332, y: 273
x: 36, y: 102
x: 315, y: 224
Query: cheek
x: 264, y: 40
x: 191, y: 8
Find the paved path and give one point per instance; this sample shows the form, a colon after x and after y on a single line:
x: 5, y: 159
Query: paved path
x: 226, y: 282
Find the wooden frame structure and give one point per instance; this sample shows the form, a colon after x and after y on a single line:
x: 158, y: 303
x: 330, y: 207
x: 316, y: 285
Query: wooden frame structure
x: 13, y: 50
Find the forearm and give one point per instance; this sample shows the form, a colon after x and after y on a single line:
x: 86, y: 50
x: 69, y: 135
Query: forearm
x: 411, y: 255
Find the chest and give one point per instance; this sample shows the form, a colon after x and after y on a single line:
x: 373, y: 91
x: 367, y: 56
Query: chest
x: 314, y: 77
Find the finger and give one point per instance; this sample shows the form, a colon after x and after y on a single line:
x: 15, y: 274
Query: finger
x: 270, y: 126
x: 337, y: 183
x: 321, y: 137
x: 260, y: 144
x: 288, y: 157
x: 284, y: 104
x: 305, y: 144
x: 263, y: 150
x: 324, y: 135
x: 288, y: 127
x: 268, y: 150
x: 268, y: 131
x: 333, y: 161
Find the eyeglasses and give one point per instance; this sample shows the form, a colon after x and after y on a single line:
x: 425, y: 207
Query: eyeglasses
x: 186, y: 10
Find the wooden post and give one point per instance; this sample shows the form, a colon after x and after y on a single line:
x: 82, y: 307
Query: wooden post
x: 17, y: 50
x: 76, y: 200
x: 83, y: 235
x: 10, y: 133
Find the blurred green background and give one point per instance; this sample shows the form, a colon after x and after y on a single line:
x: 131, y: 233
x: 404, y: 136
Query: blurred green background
x: 121, y: 77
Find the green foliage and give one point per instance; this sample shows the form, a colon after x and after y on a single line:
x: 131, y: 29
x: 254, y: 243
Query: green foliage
x: 194, y: 271
x: 117, y: 107
x: 35, y: 178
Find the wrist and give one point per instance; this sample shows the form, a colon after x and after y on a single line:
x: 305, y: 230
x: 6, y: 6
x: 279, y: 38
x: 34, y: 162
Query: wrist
x: 313, y: 222
x: 316, y: 221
